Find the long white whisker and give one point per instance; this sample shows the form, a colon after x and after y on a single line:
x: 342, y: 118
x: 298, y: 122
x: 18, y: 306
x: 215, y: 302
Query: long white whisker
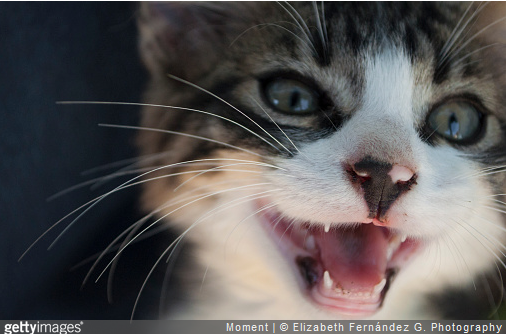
x: 130, y: 161
x: 472, y: 53
x: 277, y: 25
x: 171, y: 246
x: 480, y: 172
x: 96, y: 200
x: 319, y: 25
x: 260, y: 210
x: 456, y: 34
x: 227, y: 103
x: 175, y: 201
x: 477, y: 34
x: 166, y: 280
x: 177, y: 108
x: 132, y: 127
x: 283, y: 132
x: 94, y: 181
x: 220, y: 168
x: 483, y: 244
x: 203, y: 279
x: 299, y: 21
x: 177, y: 209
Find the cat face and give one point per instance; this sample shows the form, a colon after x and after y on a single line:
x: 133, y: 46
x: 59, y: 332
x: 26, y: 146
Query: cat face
x: 336, y: 158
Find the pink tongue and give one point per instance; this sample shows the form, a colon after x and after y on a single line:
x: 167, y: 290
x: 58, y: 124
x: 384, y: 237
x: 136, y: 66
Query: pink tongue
x: 355, y: 258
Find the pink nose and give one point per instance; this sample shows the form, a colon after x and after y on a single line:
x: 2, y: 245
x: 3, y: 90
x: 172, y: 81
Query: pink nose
x: 382, y: 183
x: 399, y: 173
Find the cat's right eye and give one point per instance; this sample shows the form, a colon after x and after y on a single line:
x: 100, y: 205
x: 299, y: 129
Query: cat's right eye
x: 291, y: 96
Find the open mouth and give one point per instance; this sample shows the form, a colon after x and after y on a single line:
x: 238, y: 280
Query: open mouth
x: 343, y: 270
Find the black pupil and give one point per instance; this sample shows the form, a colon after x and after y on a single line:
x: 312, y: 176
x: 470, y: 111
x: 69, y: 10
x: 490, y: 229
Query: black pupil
x: 453, y: 125
x: 295, y: 99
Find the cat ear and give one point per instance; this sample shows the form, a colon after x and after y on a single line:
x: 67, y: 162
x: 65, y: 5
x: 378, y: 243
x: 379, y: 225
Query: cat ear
x: 183, y: 38
x: 490, y: 28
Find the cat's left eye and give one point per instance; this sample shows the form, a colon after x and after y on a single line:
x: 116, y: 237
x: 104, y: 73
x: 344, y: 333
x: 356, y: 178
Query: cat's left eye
x: 291, y: 96
x: 456, y: 121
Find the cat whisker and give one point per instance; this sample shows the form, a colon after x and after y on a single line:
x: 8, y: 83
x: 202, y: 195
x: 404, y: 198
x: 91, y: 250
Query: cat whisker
x: 495, y: 209
x: 437, y: 255
x: 149, y: 275
x: 130, y: 161
x: 426, y: 138
x: 503, y: 229
x: 175, y: 201
x: 177, y: 209
x: 463, y: 45
x: 221, y: 208
x: 119, y: 173
x: 178, y: 108
x: 482, y: 172
x: 498, y: 170
x: 324, y: 24
x: 90, y: 204
x: 498, y: 201
x: 322, y: 33
x: 283, y: 132
x: 113, y: 247
x: 232, y: 204
x: 327, y: 116
x: 116, y: 261
x: 264, y: 25
x: 171, y: 248
x: 228, y: 104
x: 166, y: 279
x: 496, y: 195
x: 203, y: 279
x: 95, y: 180
x: 134, y: 226
x: 132, y: 127
x: 455, y: 34
x: 495, y: 305
x: 472, y: 53
x: 459, y: 252
x: 145, y: 161
x: 260, y: 210
x: 299, y: 21
x: 483, y: 244
x: 218, y: 168
x: 447, y: 51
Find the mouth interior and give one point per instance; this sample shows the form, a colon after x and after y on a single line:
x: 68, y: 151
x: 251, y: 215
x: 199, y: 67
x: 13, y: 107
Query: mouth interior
x: 348, y: 270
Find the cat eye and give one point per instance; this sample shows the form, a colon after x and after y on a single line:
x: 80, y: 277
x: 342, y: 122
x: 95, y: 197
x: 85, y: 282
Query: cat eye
x: 456, y: 121
x: 291, y: 96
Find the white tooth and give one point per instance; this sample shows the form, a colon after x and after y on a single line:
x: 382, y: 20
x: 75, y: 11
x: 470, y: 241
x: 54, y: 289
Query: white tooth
x: 327, y: 281
x: 378, y: 287
x: 310, y: 243
x: 390, y: 252
x: 393, y: 245
x: 404, y: 237
x: 327, y: 228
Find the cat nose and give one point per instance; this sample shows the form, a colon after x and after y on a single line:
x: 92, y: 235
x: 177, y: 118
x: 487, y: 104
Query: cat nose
x: 382, y: 183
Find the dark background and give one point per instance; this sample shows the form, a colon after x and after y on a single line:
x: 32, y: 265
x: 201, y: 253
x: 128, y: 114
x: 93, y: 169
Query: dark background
x: 67, y: 52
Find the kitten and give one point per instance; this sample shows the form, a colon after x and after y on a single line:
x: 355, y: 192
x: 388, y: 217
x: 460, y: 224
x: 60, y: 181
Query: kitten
x: 327, y: 160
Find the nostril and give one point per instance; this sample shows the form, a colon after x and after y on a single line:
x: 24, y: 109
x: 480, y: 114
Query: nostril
x: 402, y: 175
x: 357, y: 176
